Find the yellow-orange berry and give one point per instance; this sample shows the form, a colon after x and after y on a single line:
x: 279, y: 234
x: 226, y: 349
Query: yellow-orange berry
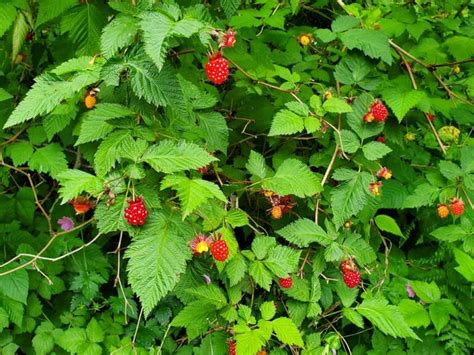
x: 305, y: 39
x: 443, y: 210
x: 276, y: 212
x: 90, y: 101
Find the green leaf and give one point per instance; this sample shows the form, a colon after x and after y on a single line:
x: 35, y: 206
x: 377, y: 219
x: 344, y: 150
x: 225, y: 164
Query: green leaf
x: 346, y: 295
x: 7, y: 16
x: 293, y: 178
x: 192, y: 193
x: 215, y: 131
x: 3, y: 318
x: 352, y: 70
x: 160, y: 88
x: 388, y: 224
x: 109, y: 151
x: 156, y: 28
x: 94, y: 331
x: 351, y: 196
x: 450, y: 170
x: 20, y: 152
x: 414, y: 313
x: 43, y: 343
x: 350, y: 142
x: 50, y: 159
x: 72, y: 339
x: 157, y: 257
x: 439, y: 313
x: 428, y: 292
x: 74, y: 182
x: 15, y: 284
x: 236, y: 269
x: 336, y: 105
x: 4, y: 95
x: 47, y: 93
x: 344, y: 23
x: 95, y: 126
x: 230, y: 6
x: 450, y: 233
x: 119, y: 33
x: 375, y: 150
x: 401, y: 101
x: 424, y: 195
x: 20, y: 30
x: 237, y: 218
x: 256, y: 165
x: 84, y: 25
x: 50, y: 9
x: 194, y: 316
x: 303, y: 232
x: 354, y: 317
x: 373, y: 43
x: 466, y: 265
x: 260, y: 274
x: 282, y: 261
x: 286, y: 122
x: 267, y: 309
x: 209, y: 294
x: 387, y: 318
x: 250, y: 342
x: 287, y: 332
x: 170, y: 157
x: 261, y: 245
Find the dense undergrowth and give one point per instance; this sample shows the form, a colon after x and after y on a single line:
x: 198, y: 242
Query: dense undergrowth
x: 271, y: 177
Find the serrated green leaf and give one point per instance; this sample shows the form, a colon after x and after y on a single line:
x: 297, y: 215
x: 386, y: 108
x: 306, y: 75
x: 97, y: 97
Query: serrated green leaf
x: 94, y: 331
x: 293, y: 178
x: 336, y: 105
x: 414, y: 313
x: 287, y: 332
x: 350, y: 142
x: 354, y: 317
x: 119, y: 33
x: 386, y: 318
x: 156, y: 28
x: 7, y: 16
x: 401, y: 101
x: 428, y: 292
x: 50, y: 9
x: 236, y: 269
x: 50, y: 159
x: 373, y: 43
x: 260, y: 274
x: 19, y: 152
x: 15, y: 284
x: 466, y: 265
x: 375, y: 150
x: 256, y: 165
x: 303, y: 232
x: 170, y: 157
x: 209, y: 294
x: 157, y: 258
x: 282, y: 261
x: 267, y: 309
x: 215, y: 131
x: 286, y: 122
x: 74, y: 182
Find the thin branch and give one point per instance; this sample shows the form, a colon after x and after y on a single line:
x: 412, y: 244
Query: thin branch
x: 138, y: 325
x: 452, y: 63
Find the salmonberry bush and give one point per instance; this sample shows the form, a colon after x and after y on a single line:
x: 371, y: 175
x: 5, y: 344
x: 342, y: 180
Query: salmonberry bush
x: 236, y: 177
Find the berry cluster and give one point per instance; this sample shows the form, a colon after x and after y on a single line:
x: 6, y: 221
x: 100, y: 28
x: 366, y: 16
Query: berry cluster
x: 232, y: 345
x: 377, y: 112
x: 350, y: 273
x: 136, y: 212
x: 456, y: 206
x: 280, y: 204
x: 383, y: 173
x: 217, y: 67
x: 217, y: 246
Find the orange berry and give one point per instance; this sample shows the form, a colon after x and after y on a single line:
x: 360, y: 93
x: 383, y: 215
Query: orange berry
x: 90, y: 101
x: 443, y: 210
x: 276, y: 212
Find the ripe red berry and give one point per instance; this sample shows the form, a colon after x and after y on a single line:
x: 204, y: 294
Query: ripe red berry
x: 443, y: 210
x: 457, y: 206
x: 381, y: 139
x: 217, y: 68
x: 232, y: 344
x: 219, y: 250
x: 203, y: 170
x: 351, y: 278
x: 286, y: 282
x: 346, y: 265
x: 379, y: 111
x: 136, y: 212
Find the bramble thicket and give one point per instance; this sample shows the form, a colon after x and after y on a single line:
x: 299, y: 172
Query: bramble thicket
x: 236, y: 177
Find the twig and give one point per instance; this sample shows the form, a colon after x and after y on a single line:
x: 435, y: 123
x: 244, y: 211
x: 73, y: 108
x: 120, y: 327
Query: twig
x: 119, y: 281
x: 138, y: 325
x: 452, y: 63
x: 163, y: 339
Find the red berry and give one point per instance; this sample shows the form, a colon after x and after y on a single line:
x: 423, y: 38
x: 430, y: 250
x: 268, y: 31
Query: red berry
x: 381, y: 139
x: 443, y: 210
x: 29, y: 36
x: 286, y: 282
x: 430, y: 116
x: 228, y: 39
x: 457, y: 206
x: 136, y: 213
x: 379, y: 111
x: 351, y: 278
x: 217, y: 68
x: 219, y: 250
x: 203, y: 170
x: 232, y: 350
x: 346, y: 265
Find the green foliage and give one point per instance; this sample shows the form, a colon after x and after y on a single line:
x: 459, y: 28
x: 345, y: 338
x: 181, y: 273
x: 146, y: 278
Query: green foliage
x: 278, y: 161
